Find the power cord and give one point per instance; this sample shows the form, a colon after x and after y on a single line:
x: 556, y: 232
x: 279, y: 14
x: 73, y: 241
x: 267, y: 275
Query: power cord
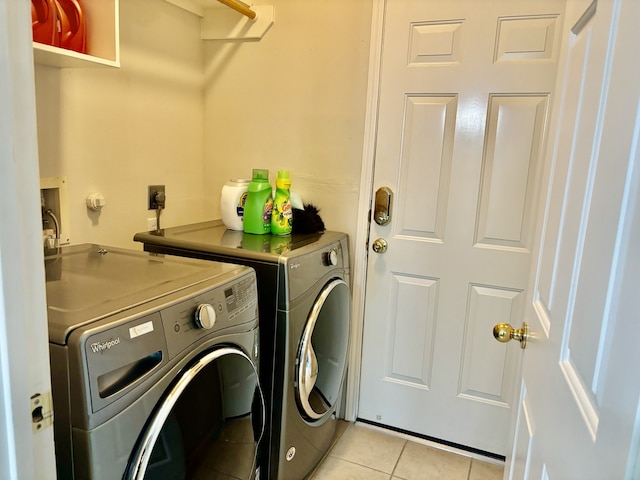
x: 160, y: 200
x: 56, y: 239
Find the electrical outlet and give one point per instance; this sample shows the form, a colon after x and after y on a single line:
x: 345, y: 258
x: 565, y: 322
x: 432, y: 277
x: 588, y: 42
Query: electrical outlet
x: 152, y: 224
x: 156, y: 197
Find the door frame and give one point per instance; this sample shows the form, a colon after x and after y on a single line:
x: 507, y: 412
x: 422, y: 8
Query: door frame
x: 361, y: 244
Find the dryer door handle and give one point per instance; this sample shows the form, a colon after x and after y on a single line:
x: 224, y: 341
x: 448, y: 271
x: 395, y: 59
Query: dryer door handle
x: 318, y: 377
x: 310, y: 375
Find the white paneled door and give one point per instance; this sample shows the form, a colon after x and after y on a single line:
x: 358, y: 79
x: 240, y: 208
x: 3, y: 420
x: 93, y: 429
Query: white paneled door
x: 578, y: 416
x: 464, y: 102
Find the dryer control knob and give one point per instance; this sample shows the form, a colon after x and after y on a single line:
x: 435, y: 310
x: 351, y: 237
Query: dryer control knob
x: 331, y: 258
x: 205, y: 316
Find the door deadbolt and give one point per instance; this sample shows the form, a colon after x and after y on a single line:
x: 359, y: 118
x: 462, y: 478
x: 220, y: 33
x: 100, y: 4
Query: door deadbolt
x: 503, y: 332
x: 380, y: 245
x: 382, y: 209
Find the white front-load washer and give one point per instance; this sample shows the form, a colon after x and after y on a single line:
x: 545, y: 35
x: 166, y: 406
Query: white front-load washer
x: 154, y: 366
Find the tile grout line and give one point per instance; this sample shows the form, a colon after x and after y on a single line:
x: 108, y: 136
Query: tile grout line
x: 363, y: 466
x: 406, y: 441
x: 393, y: 471
x: 311, y: 475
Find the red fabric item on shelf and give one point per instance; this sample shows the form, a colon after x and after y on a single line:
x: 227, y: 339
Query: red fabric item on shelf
x: 44, y: 22
x: 73, y: 31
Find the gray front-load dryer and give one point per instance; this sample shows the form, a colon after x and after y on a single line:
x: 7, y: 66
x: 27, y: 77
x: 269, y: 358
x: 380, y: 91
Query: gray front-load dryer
x: 304, y: 303
x: 154, y: 366
x: 316, y: 311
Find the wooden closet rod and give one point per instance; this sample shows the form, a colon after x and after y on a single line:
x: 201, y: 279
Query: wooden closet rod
x: 239, y: 7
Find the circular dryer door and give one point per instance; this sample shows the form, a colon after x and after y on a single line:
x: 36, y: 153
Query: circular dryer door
x: 322, y: 353
x: 209, y: 422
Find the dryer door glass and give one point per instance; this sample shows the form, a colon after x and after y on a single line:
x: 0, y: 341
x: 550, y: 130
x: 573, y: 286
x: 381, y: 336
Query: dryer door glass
x: 208, y: 425
x: 322, y: 353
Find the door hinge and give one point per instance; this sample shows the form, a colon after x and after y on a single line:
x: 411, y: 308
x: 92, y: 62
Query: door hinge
x: 41, y: 411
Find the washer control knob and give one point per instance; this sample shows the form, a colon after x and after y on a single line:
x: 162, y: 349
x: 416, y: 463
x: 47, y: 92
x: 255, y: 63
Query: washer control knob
x: 331, y: 258
x: 205, y: 316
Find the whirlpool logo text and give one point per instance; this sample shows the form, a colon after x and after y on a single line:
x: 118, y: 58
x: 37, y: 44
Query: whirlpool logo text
x: 99, y: 347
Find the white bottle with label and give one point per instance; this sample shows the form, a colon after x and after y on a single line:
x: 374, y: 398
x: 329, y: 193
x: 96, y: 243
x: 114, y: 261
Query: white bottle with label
x: 234, y: 195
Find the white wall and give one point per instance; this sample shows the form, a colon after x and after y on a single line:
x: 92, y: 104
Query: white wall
x: 191, y: 114
x: 295, y: 99
x: 116, y: 131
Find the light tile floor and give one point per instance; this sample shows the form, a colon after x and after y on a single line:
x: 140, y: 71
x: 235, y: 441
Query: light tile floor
x: 365, y: 453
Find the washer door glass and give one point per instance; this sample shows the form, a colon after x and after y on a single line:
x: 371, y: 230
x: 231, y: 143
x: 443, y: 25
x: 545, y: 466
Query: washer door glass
x: 208, y: 425
x: 322, y: 353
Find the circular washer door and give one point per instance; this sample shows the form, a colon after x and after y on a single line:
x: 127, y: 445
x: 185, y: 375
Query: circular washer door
x: 322, y: 352
x: 209, y: 422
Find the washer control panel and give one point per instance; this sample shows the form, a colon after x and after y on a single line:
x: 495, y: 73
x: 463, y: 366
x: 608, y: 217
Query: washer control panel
x: 211, y: 312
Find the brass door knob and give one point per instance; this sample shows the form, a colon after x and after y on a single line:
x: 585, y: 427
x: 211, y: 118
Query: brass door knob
x: 503, y: 332
x: 380, y: 245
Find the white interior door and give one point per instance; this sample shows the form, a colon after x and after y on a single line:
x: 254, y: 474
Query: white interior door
x: 26, y: 445
x: 464, y: 99
x: 578, y: 413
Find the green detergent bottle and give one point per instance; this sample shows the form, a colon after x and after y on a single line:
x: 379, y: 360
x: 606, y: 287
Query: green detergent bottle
x: 282, y: 215
x: 259, y: 204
